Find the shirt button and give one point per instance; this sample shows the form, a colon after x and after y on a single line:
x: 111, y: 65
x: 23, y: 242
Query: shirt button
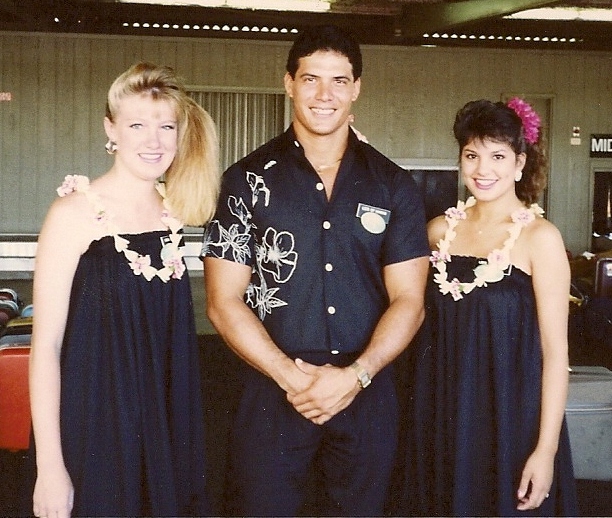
x: 331, y: 310
x: 326, y: 225
x: 335, y: 351
x: 329, y: 267
x: 320, y: 186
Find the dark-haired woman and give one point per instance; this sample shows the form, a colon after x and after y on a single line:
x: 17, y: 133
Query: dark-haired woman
x: 487, y: 434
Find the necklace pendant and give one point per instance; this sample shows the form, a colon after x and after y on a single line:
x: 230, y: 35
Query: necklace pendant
x: 167, y: 252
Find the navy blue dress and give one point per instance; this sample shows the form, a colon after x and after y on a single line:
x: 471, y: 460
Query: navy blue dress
x: 474, y: 406
x: 132, y: 422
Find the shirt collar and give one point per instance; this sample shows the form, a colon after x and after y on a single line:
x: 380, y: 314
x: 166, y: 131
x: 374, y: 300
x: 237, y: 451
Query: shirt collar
x: 290, y: 142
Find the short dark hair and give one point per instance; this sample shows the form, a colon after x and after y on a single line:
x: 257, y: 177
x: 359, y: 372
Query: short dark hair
x: 325, y: 37
x: 496, y: 121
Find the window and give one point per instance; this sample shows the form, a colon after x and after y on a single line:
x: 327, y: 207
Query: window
x: 439, y: 181
x: 602, y: 212
x: 245, y: 120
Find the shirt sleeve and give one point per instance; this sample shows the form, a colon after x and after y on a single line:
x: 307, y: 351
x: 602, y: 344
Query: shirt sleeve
x: 406, y: 236
x: 229, y: 234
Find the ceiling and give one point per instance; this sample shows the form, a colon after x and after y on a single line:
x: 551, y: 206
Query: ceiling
x: 465, y: 23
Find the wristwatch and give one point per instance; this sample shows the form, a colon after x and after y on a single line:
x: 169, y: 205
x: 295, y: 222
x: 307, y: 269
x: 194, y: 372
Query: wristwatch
x: 362, y: 375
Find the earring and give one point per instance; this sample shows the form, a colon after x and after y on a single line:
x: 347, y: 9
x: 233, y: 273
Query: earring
x: 518, y: 176
x: 111, y: 147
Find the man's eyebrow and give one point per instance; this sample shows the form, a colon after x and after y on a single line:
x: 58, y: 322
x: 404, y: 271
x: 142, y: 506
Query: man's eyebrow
x: 310, y: 74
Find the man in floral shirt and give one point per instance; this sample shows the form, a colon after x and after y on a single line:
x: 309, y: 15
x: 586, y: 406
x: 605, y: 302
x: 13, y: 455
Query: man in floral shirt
x: 315, y: 268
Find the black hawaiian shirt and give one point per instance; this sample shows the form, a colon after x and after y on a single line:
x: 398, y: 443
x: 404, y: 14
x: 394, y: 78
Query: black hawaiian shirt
x: 317, y: 282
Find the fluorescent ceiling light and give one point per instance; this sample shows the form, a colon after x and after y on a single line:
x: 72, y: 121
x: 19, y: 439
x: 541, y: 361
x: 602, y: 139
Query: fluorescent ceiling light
x: 564, y: 13
x: 276, y: 5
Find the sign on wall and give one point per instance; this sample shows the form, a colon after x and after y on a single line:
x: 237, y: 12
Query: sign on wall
x: 601, y: 146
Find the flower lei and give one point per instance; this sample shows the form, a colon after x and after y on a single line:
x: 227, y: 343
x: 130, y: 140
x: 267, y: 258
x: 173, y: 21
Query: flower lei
x: 529, y: 117
x: 171, y: 253
x: 497, y: 262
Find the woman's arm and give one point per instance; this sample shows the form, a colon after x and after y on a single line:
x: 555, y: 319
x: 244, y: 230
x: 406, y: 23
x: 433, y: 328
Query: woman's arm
x: 551, y: 281
x: 60, y: 245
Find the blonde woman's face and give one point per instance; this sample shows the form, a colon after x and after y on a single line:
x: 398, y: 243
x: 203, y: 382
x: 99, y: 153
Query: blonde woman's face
x: 146, y: 133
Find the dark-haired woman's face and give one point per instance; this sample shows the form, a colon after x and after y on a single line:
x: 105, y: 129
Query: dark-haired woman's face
x: 490, y: 169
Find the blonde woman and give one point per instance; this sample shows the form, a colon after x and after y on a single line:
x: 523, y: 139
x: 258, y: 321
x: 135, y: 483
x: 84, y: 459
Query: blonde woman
x: 114, y: 375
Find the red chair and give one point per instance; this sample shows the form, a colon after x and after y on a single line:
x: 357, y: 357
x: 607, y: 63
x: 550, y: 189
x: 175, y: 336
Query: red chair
x: 15, y: 417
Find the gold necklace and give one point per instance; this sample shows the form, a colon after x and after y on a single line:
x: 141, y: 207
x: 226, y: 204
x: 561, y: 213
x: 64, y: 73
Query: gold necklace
x: 319, y: 168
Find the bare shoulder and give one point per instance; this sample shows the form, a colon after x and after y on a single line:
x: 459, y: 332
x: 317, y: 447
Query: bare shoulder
x: 436, y: 229
x: 70, y: 210
x: 542, y: 235
x: 71, y: 219
x: 545, y: 246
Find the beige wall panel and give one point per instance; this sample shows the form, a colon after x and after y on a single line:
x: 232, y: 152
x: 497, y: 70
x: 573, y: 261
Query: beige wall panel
x: 53, y: 125
x: 9, y: 138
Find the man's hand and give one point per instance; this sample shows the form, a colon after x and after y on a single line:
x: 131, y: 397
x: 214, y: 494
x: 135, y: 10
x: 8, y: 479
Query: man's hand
x: 332, y: 390
x: 291, y: 378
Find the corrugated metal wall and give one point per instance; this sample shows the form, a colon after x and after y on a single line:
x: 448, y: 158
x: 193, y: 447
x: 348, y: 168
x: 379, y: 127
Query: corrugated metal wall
x: 53, y: 124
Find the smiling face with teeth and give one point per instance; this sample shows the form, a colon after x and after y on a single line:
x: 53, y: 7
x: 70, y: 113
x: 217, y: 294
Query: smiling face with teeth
x: 323, y: 91
x: 146, y: 133
x: 489, y: 169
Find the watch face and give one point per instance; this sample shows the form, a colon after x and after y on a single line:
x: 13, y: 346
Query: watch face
x: 363, y: 377
x: 364, y: 380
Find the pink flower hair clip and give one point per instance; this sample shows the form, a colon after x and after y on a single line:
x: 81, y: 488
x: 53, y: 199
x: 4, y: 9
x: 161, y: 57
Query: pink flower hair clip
x: 529, y: 117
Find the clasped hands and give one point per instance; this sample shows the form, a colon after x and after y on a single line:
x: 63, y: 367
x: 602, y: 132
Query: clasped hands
x: 322, y: 391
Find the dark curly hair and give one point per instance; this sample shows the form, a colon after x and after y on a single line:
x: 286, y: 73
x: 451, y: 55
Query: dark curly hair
x: 486, y: 120
x: 326, y: 38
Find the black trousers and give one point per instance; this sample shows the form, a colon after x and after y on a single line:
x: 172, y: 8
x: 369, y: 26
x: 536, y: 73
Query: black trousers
x: 273, y: 451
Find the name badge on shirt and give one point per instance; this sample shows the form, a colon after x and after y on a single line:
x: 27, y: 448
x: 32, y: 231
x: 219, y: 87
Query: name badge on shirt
x: 373, y: 219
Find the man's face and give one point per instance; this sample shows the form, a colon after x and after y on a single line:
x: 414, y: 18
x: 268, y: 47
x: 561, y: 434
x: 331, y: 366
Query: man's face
x: 323, y: 92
